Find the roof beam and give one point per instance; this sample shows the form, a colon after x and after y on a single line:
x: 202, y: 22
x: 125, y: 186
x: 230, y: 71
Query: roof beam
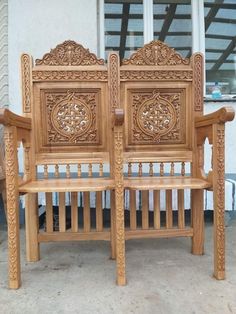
x: 212, y: 13
x: 124, y: 29
x: 168, y: 20
x: 224, y: 55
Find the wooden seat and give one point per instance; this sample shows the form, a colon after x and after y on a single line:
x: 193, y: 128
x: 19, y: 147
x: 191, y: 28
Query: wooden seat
x: 68, y: 113
x: 162, y: 148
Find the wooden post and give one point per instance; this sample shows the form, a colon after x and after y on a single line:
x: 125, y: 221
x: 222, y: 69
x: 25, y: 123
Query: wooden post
x: 10, y: 136
x: 219, y: 199
x: 197, y: 222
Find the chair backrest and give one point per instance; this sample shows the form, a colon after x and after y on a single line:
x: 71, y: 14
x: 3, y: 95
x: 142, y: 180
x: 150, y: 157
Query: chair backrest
x: 66, y: 95
x: 161, y: 93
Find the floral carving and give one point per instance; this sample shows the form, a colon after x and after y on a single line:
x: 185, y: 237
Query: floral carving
x: 156, y: 75
x: 12, y: 208
x: 69, y: 53
x: 220, y: 197
x: 69, y: 75
x: 114, y: 80
x: 26, y: 82
x: 72, y: 117
x: 157, y: 117
x: 198, y: 82
x: 156, y: 53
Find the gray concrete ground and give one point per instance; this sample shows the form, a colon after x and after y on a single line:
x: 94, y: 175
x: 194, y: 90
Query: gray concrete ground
x: 163, y: 277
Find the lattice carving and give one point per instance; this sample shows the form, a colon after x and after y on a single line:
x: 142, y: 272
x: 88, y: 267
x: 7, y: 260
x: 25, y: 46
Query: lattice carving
x: 156, y: 75
x: 26, y: 82
x: 198, y: 82
x: 157, y: 117
x: 69, y: 75
x: 156, y: 53
x: 72, y: 117
x: 69, y: 53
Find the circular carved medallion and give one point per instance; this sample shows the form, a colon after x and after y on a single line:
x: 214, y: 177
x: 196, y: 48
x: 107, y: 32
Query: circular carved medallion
x: 156, y: 116
x: 71, y: 117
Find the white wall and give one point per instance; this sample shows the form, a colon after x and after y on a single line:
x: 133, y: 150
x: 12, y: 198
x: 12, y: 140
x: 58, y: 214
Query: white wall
x: 36, y: 26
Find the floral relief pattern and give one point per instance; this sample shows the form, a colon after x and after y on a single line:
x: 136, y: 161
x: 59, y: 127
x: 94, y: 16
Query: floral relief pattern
x: 69, y: 53
x: 156, y: 53
x: 156, y: 118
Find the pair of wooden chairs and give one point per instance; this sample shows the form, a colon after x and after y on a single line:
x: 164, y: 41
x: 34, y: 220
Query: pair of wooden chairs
x: 91, y: 127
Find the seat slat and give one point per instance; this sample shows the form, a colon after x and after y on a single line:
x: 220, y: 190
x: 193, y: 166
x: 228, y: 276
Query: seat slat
x: 165, y: 183
x: 68, y: 185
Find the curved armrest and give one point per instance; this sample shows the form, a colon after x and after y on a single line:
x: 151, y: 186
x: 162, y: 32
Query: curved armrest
x: 220, y: 116
x: 9, y: 118
x: 118, y: 117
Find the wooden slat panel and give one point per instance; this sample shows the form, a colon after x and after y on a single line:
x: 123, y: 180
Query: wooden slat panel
x: 99, y: 217
x: 49, y: 212
x: 145, y: 208
x: 156, y: 202
x: 87, y: 225
x: 62, y: 212
x: 74, y: 211
x: 133, y: 219
x: 169, y: 212
x: 181, y: 218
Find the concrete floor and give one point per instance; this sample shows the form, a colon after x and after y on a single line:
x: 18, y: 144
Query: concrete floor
x: 163, y: 277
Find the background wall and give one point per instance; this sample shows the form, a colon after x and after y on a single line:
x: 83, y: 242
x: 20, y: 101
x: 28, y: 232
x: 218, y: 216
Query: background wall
x: 36, y: 26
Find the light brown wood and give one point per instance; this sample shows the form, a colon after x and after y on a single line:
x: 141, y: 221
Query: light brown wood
x: 49, y: 212
x: 99, y: 212
x: 73, y: 236
x: 156, y: 203
x: 74, y: 211
x: 145, y: 209
x: 181, y: 217
x: 197, y: 222
x: 133, y: 214
x: 113, y: 226
x: 62, y: 212
x: 169, y: 212
x: 32, y: 227
x: 87, y: 222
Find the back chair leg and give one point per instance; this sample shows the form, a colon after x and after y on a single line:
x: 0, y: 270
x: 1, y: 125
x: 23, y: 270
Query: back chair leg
x: 31, y: 227
x: 197, y: 222
x: 113, y: 227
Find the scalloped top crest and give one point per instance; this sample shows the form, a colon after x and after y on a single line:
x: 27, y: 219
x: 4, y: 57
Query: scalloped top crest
x: 155, y: 53
x: 69, y: 53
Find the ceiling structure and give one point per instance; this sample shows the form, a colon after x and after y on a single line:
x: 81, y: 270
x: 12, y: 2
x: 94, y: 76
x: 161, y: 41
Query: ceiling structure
x: 172, y: 24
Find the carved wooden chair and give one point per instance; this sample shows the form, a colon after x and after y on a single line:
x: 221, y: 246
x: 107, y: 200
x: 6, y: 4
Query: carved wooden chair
x: 164, y: 134
x: 67, y: 134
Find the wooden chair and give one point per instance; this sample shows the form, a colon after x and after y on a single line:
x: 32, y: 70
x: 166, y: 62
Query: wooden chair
x: 163, y: 139
x: 67, y: 133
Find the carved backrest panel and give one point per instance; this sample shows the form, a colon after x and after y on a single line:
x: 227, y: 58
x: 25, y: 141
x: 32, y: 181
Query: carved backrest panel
x: 161, y: 93
x: 65, y: 93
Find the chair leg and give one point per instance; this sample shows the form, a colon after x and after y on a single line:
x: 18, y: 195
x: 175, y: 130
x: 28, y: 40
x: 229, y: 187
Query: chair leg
x: 113, y: 227
x: 10, y: 137
x: 197, y: 222
x: 120, y: 236
x: 4, y: 196
x: 219, y: 201
x: 31, y: 227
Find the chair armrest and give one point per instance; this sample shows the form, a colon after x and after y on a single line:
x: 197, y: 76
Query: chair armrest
x: 220, y: 116
x: 118, y: 118
x: 9, y: 118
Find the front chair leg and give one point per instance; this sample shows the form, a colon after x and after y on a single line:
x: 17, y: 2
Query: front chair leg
x: 219, y: 201
x: 197, y: 222
x: 31, y: 227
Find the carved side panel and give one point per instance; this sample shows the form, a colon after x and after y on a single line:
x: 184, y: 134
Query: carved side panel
x: 198, y: 81
x: 156, y: 53
x: 12, y: 207
x: 219, y: 199
x: 26, y: 82
x: 72, y: 117
x: 114, y: 81
x: 157, y: 117
x: 69, y: 53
